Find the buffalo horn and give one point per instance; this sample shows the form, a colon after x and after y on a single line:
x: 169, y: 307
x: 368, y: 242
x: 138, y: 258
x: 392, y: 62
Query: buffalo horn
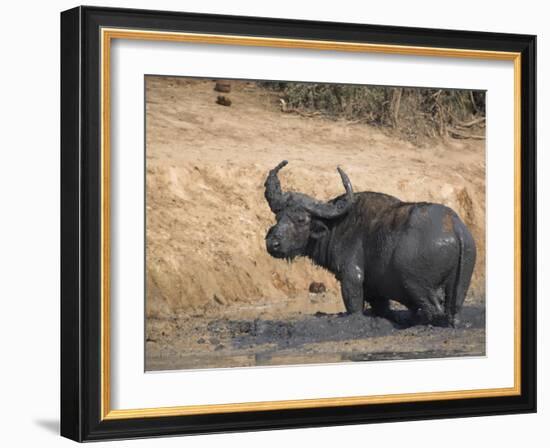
x: 277, y: 200
x: 331, y: 210
x: 273, y: 192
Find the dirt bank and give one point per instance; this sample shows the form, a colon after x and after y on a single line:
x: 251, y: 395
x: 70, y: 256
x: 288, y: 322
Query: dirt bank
x: 207, y: 217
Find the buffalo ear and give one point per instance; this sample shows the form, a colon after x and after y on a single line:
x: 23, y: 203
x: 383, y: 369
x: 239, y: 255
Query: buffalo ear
x: 318, y: 229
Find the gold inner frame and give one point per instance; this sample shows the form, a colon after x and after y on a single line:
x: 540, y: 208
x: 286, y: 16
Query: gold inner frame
x: 107, y: 35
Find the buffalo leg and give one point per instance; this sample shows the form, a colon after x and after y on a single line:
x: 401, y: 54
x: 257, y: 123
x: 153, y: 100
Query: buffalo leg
x: 426, y: 304
x: 352, y: 293
x: 380, y: 307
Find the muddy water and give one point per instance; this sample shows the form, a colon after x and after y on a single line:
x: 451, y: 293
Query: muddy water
x: 304, y: 339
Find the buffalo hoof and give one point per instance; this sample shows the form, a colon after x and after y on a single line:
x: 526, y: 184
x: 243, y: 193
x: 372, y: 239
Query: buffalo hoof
x: 453, y: 321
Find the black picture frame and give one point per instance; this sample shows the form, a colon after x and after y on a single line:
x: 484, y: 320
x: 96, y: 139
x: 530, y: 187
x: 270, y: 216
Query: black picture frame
x: 81, y: 414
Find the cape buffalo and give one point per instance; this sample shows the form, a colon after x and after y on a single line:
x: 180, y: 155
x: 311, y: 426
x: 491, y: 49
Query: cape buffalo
x: 380, y: 248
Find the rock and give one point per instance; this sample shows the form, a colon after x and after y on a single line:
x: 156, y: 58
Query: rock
x: 223, y: 101
x: 222, y: 86
x: 317, y: 288
x: 219, y: 299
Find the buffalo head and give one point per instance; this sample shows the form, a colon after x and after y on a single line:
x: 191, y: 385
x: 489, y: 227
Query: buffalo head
x: 299, y: 216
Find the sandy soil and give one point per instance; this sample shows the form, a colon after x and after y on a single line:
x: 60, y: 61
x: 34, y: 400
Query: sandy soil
x: 215, y: 298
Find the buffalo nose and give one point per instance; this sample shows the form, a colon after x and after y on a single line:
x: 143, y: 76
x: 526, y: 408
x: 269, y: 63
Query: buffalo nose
x: 274, y: 244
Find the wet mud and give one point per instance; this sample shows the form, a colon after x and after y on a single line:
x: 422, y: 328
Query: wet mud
x: 317, y: 338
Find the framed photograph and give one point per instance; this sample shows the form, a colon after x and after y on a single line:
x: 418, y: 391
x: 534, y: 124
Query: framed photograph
x: 272, y: 224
